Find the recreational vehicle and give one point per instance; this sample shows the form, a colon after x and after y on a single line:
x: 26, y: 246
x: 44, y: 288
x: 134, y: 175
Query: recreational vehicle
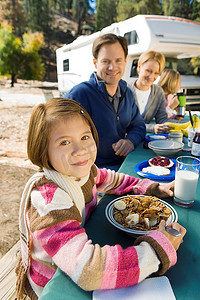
x: 177, y: 38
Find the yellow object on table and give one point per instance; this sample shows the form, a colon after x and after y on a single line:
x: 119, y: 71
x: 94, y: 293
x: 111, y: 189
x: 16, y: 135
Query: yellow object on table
x: 183, y: 127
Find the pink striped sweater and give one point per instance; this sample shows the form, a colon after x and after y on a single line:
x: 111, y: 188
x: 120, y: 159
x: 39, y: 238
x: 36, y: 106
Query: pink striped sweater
x: 57, y: 238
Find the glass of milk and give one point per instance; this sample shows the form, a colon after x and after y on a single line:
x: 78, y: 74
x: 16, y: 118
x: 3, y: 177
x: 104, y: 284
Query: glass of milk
x: 186, y: 178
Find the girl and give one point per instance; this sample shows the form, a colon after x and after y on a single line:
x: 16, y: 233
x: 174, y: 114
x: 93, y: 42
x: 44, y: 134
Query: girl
x: 149, y: 96
x: 170, y: 82
x: 58, y: 200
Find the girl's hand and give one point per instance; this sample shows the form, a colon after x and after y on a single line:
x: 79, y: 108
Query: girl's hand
x: 173, y: 101
x: 175, y: 240
x: 165, y: 190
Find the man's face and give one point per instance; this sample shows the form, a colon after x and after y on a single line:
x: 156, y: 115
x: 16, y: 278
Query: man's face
x: 110, y: 63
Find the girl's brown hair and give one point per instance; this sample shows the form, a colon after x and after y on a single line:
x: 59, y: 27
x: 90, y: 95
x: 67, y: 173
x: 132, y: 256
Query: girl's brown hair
x: 157, y: 56
x: 43, y: 118
x: 169, y: 80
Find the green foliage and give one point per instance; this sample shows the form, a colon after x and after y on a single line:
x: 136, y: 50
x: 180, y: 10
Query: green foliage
x: 63, y: 5
x: 20, y: 57
x: 178, y: 8
x: 106, y: 13
x: 125, y: 9
x: 32, y: 67
x: 148, y: 7
x: 129, y: 8
x: 80, y: 10
x: 195, y: 61
x: 195, y: 10
x: 39, y: 14
x: 12, y: 12
x: 10, y: 51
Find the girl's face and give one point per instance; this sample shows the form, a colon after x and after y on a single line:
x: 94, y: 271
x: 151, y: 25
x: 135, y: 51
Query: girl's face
x: 148, y: 73
x: 72, y: 149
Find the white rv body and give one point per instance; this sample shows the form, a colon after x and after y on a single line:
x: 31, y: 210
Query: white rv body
x: 174, y: 37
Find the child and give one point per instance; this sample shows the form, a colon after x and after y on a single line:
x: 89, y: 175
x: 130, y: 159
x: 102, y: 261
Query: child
x: 57, y: 201
x: 170, y: 81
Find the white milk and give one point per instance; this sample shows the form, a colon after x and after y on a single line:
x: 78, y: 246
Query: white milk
x: 185, y: 185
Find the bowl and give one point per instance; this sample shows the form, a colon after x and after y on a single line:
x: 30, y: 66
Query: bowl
x: 167, y: 148
x: 109, y: 215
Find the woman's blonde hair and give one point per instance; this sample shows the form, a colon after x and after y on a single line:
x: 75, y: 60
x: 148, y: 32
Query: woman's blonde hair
x: 169, y: 80
x: 157, y: 56
x: 43, y: 118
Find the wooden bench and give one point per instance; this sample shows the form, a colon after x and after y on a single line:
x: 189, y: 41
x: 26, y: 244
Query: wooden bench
x: 7, y: 273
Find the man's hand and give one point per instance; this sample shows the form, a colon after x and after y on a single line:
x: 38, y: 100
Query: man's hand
x: 123, y: 147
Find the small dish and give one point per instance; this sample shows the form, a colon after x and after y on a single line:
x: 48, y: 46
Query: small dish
x: 138, y: 169
x: 167, y: 148
x: 153, y: 137
x: 109, y: 215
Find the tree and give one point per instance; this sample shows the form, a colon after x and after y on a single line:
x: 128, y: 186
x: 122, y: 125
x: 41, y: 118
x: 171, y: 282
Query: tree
x: 12, y: 12
x: 10, y: 52
x: 32, y: 67
x: 129, y: 8
x: 39, y: 14
x: 195, y: 10
x: 178, y: 8
x: 106, y: 13
x: 148, y: 7
x: 125, y: 10
x: 64, y: 6
x: 20, y: 57
x: 80, y: 10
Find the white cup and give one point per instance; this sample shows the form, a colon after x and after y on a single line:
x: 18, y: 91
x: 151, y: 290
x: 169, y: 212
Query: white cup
x: 191, y: 134
x: 176, y: 136
x: 186, y: 178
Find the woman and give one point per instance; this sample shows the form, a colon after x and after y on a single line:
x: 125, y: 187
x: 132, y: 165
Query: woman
x: 150, y: 97
x: 170, y: 82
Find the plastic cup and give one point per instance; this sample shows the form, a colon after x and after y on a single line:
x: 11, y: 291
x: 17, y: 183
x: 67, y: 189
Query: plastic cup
x: 186, y: 179
x: 176, y: 136
x: 191, y: 134
x: 182, y: 100
x: 180, y: 109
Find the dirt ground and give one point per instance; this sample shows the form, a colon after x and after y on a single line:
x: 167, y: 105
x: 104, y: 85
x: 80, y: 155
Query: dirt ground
x: 16, y: 105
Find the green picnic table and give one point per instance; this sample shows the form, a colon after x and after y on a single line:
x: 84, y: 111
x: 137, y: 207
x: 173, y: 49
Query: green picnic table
x: 184, y: 276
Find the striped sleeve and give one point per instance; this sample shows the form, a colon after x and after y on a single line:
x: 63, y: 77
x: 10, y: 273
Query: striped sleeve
x: 108, y: 181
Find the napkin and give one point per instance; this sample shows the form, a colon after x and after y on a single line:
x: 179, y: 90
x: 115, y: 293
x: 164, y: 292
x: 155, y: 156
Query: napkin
x: 157, y: 288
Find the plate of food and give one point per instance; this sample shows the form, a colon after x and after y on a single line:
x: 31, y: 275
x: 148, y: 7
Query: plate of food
x: 157, y: 168
x: 139, y: 215
x: 153, y: 137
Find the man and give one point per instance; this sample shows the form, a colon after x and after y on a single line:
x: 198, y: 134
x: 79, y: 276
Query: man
x: 110, y: 102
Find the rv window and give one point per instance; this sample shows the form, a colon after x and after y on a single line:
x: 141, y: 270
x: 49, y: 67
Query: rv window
x: 132, y: 37
x: 66, y: 65
x: 134, y: 68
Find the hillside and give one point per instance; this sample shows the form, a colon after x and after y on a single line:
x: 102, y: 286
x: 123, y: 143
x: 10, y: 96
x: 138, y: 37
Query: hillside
x: 63, y: 31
